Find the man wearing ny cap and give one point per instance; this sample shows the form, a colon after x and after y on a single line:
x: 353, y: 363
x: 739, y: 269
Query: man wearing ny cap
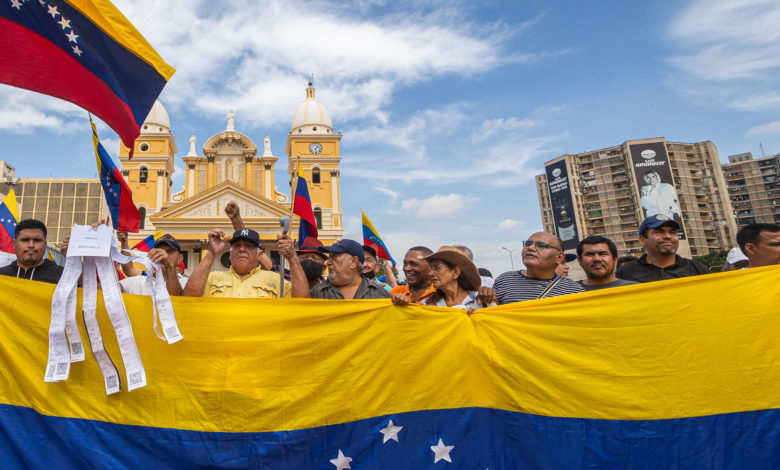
x: 345, y: 267
x: 658, y: 234
x: 245, y: 279
x: 167, y: 253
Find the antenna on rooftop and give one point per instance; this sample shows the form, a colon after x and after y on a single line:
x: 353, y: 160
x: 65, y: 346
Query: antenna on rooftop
x: 761, y: 144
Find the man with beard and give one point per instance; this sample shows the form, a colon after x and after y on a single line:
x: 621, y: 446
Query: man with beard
x: 658, y: 234
x: 418, y: 277
x: 30, y: 248
x: 542, y: 252
x: 598, y: 258
x: 245, y: 279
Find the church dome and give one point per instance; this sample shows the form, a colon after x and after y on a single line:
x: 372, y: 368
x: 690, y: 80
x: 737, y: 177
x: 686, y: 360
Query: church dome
x: 157, y: 121
x: 311, y: 117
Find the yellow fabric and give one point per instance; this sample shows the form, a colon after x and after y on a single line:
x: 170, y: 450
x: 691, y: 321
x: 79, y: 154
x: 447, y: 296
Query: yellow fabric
x: 687, y: 347
x: 258, y: 285
x: 112, y: 22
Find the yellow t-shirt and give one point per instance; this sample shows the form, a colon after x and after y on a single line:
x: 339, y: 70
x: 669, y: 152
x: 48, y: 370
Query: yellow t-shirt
x: 258, y: 285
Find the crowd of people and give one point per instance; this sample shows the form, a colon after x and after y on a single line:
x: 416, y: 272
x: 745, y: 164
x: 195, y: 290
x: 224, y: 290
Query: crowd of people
x: 447, y: 277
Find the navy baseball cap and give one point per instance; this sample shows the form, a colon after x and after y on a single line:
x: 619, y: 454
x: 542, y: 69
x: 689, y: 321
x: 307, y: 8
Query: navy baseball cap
x: 167, y: 240
x: 246, y: 234
x: 370, y: 250
x: 346, y: 246
x: 570, y: 257
x: 655, y: 221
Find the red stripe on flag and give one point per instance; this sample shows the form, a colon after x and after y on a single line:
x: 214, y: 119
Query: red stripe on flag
x: 30, y: 61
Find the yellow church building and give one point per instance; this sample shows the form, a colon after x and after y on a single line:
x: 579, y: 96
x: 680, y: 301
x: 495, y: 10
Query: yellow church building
x: 227, y: 168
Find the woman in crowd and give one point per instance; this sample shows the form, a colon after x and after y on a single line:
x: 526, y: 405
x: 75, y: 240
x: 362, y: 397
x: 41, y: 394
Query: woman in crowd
x: 455, y: 278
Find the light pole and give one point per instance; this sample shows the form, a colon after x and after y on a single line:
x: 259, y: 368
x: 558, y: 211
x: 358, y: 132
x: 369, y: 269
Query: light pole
x: 511, y: 260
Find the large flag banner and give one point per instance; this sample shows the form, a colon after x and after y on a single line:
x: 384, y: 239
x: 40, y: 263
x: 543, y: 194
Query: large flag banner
x: 148, y: 243
x: 119, y: 197
x: 9, y: 217
x: 85, y: 52
x: 302, y: 208
x: 371, y: 238
x: 673, y: 374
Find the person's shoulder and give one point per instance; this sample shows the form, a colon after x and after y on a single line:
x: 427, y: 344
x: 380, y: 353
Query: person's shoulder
x: 507, y: 276
x: 571, y: 284
x: 9, y: 270
x: 376, y: 290
x: 699, y: 266
x: 402, y: 289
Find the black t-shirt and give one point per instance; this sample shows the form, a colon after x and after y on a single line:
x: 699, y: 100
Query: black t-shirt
x: 642, y: 271
x: 48, y: 271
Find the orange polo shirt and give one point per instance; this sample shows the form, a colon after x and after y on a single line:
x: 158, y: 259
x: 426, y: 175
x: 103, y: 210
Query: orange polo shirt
x: 404, y: 289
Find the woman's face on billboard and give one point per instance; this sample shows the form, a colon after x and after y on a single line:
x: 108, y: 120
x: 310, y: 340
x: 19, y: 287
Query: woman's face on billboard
x: 652, y: 179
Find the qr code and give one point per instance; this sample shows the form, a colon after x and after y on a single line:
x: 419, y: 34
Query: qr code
x: 112, y: 382
x: 135, y: 378
x: 78, y: 348
x: 170, y: 332
x: 62, y: 367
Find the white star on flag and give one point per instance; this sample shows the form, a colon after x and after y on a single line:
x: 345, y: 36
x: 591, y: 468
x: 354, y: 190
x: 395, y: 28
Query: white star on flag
x: 77, y: 51
x: 441, y: 452
x: 342, y: 461
x: 72, y: 36
x: 16, y: 4
x: 53, y: 11
x: 64, y: 23
x: 390, y: 432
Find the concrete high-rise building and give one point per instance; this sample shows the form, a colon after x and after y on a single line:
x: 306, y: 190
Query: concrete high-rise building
x: 609, y: 191
x: 754, y: 188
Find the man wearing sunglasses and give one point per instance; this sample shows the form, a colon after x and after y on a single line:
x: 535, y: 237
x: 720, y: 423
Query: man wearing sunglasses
x: 542, y: 252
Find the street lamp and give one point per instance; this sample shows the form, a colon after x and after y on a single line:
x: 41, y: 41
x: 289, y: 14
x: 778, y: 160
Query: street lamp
x: 511, y: 260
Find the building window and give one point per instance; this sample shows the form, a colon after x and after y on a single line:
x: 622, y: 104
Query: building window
x: 143, y: 175
x: 315, y: 175
x: 142, y: 215
x: 318, y: 217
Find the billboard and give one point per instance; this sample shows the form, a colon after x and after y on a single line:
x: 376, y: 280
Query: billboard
x: 562, y: 206
x: 653, y: 175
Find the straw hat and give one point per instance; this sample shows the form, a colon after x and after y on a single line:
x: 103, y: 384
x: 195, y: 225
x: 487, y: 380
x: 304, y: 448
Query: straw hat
x: 454, y: 256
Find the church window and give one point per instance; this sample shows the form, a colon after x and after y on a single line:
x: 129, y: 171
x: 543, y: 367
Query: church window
x: 144, y: 147
x: 142, y: 215
x: 143, y: 175
x: 318, y: 217
x: 315, y: 175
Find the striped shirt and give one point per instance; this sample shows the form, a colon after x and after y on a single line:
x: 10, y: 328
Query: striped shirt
x: 512, y: 287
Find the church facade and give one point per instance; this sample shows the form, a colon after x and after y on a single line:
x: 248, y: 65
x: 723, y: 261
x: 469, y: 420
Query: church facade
x: 229, y: 166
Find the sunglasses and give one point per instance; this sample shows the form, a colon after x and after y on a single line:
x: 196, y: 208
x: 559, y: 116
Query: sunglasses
x: 537, y: 244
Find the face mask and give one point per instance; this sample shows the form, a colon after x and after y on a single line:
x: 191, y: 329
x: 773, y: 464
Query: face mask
x: 368, y: 275
x: 312, y: 269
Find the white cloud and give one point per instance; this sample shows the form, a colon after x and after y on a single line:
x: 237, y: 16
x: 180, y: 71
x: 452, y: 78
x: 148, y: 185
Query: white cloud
x: 111, y: 145
x: 24, y: 111
x: 439, y: 205
x: 770, y: 128
x: 492, y: 126
x: 508, y: 224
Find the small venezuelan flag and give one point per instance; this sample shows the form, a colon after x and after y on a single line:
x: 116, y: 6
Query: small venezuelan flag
x: 148, y: 243
x: 9, y: 217
x: 371, y: 238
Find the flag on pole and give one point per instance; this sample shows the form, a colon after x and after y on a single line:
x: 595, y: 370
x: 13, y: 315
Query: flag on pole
x: 302, y: 208
x: 9, y: 217
x: 148, y: 243
x: 119, y: 198
x: 371, y: 238
x: 85, y: 52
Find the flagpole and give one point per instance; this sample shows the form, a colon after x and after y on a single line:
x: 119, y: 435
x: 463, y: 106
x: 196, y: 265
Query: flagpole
x: 294, y: 188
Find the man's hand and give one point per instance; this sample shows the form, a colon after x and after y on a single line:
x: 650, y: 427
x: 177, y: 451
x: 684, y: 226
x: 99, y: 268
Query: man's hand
x: 122, y: 237
x: 286, y: 246
x: 160, y: 256
x: 64, y: 246
x: 400, y: 299
x: 217, y: 241
x: 486, y: 295
x: 232, y: 210
x: 99, y: 223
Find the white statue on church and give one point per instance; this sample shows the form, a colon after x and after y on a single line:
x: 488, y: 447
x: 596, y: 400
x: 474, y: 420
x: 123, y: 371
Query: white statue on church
x: 192, y: 152
x: 267, y: 147
x: 231, y: 125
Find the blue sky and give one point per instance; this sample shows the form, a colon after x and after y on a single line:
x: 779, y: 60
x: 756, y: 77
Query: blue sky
x: 448, y: 109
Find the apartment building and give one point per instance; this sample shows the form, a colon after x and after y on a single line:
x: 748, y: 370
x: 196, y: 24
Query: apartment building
x: 754, y: 188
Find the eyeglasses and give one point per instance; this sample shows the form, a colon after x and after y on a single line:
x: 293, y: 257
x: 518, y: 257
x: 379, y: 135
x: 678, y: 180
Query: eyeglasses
x: 538, y: 244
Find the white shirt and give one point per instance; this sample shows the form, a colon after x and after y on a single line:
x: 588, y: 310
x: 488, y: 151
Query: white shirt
x: 137, y: 284
x: 468, y: 302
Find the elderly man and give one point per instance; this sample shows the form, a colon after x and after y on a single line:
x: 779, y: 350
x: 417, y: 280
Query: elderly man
x: 30, y: 248
x: 760, y: 243
x: 542, y: 252
x: 658, y: 234
x: 345, y: 267
x: 371, y: 267
x: 417, y: 270
x: 598, y: 258
x: 245, y: 279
